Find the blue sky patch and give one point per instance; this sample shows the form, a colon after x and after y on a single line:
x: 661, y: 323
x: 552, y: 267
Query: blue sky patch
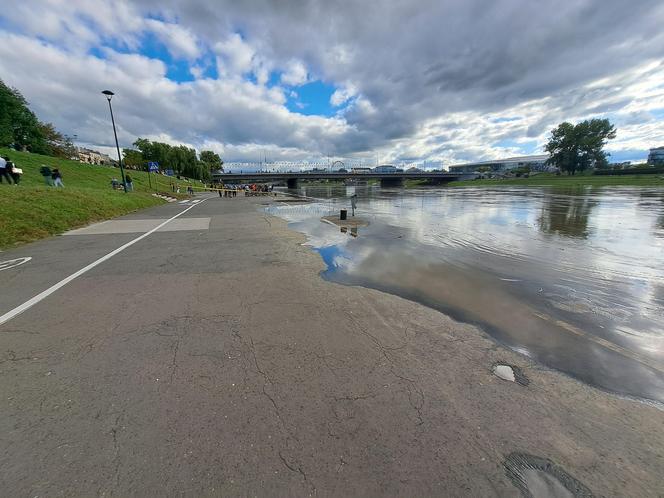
x: 312, y: 99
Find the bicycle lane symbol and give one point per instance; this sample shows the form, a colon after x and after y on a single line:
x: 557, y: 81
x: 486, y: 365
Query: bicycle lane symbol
x: 13, y: 263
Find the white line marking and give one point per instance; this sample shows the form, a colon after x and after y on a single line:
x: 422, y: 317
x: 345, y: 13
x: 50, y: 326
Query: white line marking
x: 195, y: 201
x: 42, y: 295
x: 13, y: 263
x: 183, y: 202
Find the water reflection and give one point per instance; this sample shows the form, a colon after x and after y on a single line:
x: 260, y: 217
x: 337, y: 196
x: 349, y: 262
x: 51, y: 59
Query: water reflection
x: 566, y: 213
x: 573, y: 279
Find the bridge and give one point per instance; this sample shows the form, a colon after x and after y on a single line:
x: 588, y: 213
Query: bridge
x: 390, y: 179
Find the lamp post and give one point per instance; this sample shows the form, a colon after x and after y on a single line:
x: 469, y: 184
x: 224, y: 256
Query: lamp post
x: 109, y: 95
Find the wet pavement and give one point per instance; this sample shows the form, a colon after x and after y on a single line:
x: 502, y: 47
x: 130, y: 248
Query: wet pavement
x: 571, y: 278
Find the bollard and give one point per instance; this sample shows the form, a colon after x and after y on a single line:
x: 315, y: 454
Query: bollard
x: 343, y: 214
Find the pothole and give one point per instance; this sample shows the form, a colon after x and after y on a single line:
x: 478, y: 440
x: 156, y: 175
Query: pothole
x: 538, y: 477
x: 510, y: 373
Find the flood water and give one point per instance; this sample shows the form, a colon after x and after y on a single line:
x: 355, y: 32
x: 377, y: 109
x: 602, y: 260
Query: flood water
x: 571, y: 278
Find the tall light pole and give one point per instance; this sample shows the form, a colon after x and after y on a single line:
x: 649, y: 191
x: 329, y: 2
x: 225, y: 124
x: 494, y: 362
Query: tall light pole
x: 109, y: 95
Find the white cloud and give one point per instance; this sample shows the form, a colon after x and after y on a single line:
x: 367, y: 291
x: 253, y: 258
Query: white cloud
x: 235, y: 56
x: 342, y: 95
x: 295, y: 74
x: 180, y: 41
x: 411, y: 84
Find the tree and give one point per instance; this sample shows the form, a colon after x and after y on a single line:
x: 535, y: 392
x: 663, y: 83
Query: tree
x: 578, y: 147
x: 19, y: 127
x: 133, y: 159
x: 59, y: 145
x: 211, y: 160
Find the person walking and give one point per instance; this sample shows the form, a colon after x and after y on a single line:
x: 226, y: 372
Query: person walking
x: 129, y: 183
x: 57, y: 178
x: 45, y: 172
x: 15, y: 172
x: 4, y: 170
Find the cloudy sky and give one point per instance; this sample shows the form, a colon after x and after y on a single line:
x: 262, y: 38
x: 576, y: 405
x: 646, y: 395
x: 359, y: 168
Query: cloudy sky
x: 384, y: 80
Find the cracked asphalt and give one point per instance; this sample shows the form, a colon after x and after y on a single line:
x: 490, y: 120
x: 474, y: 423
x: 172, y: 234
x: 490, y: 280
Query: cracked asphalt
x: 217, y: 362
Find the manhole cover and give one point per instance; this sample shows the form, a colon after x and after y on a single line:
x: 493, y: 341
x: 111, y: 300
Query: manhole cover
x: 538, y: 477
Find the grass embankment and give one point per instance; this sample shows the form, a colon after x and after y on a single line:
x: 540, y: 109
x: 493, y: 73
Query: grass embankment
x: 33, y: 210
x: 551, y: 180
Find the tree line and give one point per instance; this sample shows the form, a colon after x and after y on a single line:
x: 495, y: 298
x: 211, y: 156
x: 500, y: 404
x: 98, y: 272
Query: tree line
x: 20, y: 128
x: 181, y: 159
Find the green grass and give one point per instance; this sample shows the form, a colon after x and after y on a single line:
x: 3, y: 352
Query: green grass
x: 32, y: 210
x: 547, y: 179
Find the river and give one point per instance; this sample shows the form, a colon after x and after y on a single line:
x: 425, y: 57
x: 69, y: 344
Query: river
x: 573, y: 279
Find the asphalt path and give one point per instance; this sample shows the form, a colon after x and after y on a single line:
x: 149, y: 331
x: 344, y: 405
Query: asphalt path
x: 208, y: 358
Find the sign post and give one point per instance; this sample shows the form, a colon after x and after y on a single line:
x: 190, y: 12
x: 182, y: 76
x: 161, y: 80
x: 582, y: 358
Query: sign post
x: 152, y: 167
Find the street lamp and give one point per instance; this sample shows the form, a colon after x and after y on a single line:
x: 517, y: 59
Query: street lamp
x: 109, y: 95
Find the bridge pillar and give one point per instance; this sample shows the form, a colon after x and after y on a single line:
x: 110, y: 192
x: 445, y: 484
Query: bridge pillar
x: 391, y: 182
x: 292, y: 182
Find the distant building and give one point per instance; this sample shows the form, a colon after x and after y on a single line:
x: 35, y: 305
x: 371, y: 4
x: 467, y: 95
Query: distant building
x: 414, y: 170
x: 361, y: 170
x: 92, y: 156
x: 656, y: 156
x: 535, y: 163
x: 386, y: 168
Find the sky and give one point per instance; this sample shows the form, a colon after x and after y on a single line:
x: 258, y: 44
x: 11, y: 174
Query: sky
x: 383, y: 81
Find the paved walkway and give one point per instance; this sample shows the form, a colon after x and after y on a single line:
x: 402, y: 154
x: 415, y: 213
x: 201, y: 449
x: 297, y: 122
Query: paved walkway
x: 208, y: 358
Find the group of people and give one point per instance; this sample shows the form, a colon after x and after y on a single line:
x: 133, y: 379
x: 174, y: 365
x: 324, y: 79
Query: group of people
x: 117, y: 185
x: 248, y: 189
x: 52, y: 177
x: 9, y: 171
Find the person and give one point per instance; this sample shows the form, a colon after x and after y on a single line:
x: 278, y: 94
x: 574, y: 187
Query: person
x: 353, y: 203
x: 114, y: 183
x: 57, y: 178
x: 4, y: 170
x: 46, y: 173
x: 219, y: 192
x: 15, y: 172
x: 129, y: 183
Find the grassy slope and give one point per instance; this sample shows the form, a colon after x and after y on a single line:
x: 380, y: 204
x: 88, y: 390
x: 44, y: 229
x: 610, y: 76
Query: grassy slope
x: 546, y: 179
x: 32, y: 210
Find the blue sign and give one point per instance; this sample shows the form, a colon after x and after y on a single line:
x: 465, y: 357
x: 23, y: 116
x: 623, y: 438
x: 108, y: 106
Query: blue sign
x: 153, y: 166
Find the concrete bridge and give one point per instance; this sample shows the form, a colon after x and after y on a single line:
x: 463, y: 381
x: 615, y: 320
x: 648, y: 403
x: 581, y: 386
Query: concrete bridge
x: 386, y: 179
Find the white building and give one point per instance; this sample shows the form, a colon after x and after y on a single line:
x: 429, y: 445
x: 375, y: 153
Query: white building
x: 535, y: 163
x: 92, y: 156
x: 385, y: 168
x: 656, y: 156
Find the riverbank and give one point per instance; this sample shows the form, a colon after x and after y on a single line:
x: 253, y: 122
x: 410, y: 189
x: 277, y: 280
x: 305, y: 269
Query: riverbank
x: 249, y: 374
x: 581, y: 180
x: 31, y: 210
